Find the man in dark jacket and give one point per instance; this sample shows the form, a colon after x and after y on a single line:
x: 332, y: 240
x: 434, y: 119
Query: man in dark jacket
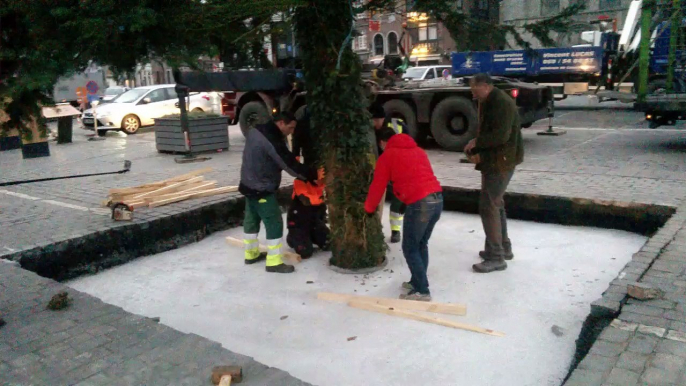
x: 264, y: 158
x: 407, y: 166
x: 497, y: 150
x: 306, y: 218
x: 381, y: 121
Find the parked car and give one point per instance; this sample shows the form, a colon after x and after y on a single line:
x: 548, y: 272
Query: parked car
x: 139, y: 107
x: 424, y: 73
x: 113, y: 92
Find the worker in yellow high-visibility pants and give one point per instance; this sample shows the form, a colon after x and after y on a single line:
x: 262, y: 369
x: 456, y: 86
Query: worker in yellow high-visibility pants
x: 264, y: 158
x: 397, y: 215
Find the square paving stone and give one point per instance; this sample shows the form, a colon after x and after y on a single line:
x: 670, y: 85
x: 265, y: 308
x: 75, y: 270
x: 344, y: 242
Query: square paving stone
x: 667, y: 361
x: 622, y: 377
x: 615, y: 335
x: 642, y: 344
x: 655, y: 376
x: 596, y: 362
x: 673, y: 347
x: 607, y: 349
x: 632, y: 361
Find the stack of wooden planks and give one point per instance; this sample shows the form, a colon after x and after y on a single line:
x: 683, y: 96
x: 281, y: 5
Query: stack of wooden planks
x: 183, y: 187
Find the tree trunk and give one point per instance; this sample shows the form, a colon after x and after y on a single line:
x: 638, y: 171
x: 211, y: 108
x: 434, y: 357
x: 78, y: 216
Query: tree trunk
x: 341, y: 124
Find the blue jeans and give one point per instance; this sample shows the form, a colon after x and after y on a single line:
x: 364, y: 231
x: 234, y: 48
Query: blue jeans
x: 420, y: 219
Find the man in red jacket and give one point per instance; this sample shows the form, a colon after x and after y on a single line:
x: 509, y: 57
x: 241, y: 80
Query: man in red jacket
x: 407, y: 167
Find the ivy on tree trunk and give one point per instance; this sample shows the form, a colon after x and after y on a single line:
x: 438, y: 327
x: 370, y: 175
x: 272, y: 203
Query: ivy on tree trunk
x: 342, y: 124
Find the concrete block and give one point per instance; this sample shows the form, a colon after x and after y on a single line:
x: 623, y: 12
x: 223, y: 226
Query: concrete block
x: 643, y: 291
x: 605, y: 308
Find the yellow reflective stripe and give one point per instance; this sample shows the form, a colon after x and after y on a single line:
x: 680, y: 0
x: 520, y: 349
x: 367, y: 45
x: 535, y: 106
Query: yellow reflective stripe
x: 262, y: 201
x: 250, y: 241
x: 272, y: 247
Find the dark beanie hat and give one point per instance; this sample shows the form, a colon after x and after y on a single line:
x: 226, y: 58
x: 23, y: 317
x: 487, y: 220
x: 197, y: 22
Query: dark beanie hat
x: 377, y: 111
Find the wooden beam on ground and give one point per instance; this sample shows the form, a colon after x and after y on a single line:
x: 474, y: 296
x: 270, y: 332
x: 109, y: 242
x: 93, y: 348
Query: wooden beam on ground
x: 291, y: 256
x: 438, y: 308
x: 136, y: 189
x: 193, y: 194
x: 170, y: 188
x: 186, y: 176
x: 193, y: 188
x: 362, y: 305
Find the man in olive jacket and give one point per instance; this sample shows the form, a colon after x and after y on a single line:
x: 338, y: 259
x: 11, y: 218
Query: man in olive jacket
x: 497, y: 150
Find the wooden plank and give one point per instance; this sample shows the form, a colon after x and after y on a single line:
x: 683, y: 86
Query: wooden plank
x: 136, y: 204
x: 214, y: 192
x: 137, y: 189
x: 422, y: 318
x: 193, y: 188
x: 291, y: 256
x: 170, y: 188
x: 205, y: 193
x: 438, y: 308
x: 186, y: 176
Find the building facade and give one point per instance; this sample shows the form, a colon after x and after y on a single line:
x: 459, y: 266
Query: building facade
x: 426, y: 41
x: 519, y: 12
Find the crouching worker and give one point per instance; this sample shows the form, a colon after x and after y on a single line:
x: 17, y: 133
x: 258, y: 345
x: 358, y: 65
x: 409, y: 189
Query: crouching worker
x: 307, y: 218
x: 264, y: 158
x: 407, y: 167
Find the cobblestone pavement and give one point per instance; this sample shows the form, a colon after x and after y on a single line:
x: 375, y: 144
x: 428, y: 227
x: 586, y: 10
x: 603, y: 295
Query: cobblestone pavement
x: 94, y: 343
x: 646, y: 343
x: 614, y: 163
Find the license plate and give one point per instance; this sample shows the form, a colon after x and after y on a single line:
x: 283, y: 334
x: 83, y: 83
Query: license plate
x: 88, y: 120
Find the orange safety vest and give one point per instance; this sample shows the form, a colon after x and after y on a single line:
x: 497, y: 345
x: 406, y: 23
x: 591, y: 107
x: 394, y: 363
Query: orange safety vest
x: 313, y: 193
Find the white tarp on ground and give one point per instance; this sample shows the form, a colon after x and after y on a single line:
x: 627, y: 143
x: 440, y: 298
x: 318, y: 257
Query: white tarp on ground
x: 558, y: 271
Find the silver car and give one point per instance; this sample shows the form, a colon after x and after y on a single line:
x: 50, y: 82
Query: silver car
x: 139, y: 107
x: 113, y: 92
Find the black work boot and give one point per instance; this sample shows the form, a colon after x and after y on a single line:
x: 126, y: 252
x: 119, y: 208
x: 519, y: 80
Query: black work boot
x: 2, y: 322
x: 490, y: 265
x: 395, y: 237
x: 261, y: 257
x: 281, y: 268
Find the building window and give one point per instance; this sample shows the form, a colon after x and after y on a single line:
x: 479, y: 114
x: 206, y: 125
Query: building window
x: 550, y: 7
x: 392, y: 43
x: 360, y: 43
x: 378, y: 45
x: 428, y: 32
x: 610, y: 4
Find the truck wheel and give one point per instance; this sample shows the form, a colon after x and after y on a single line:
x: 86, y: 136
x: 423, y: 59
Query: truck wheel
x: 454, y: 123
x: 400, y: 109
x: 130, y: 124
x: 252, y: 114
